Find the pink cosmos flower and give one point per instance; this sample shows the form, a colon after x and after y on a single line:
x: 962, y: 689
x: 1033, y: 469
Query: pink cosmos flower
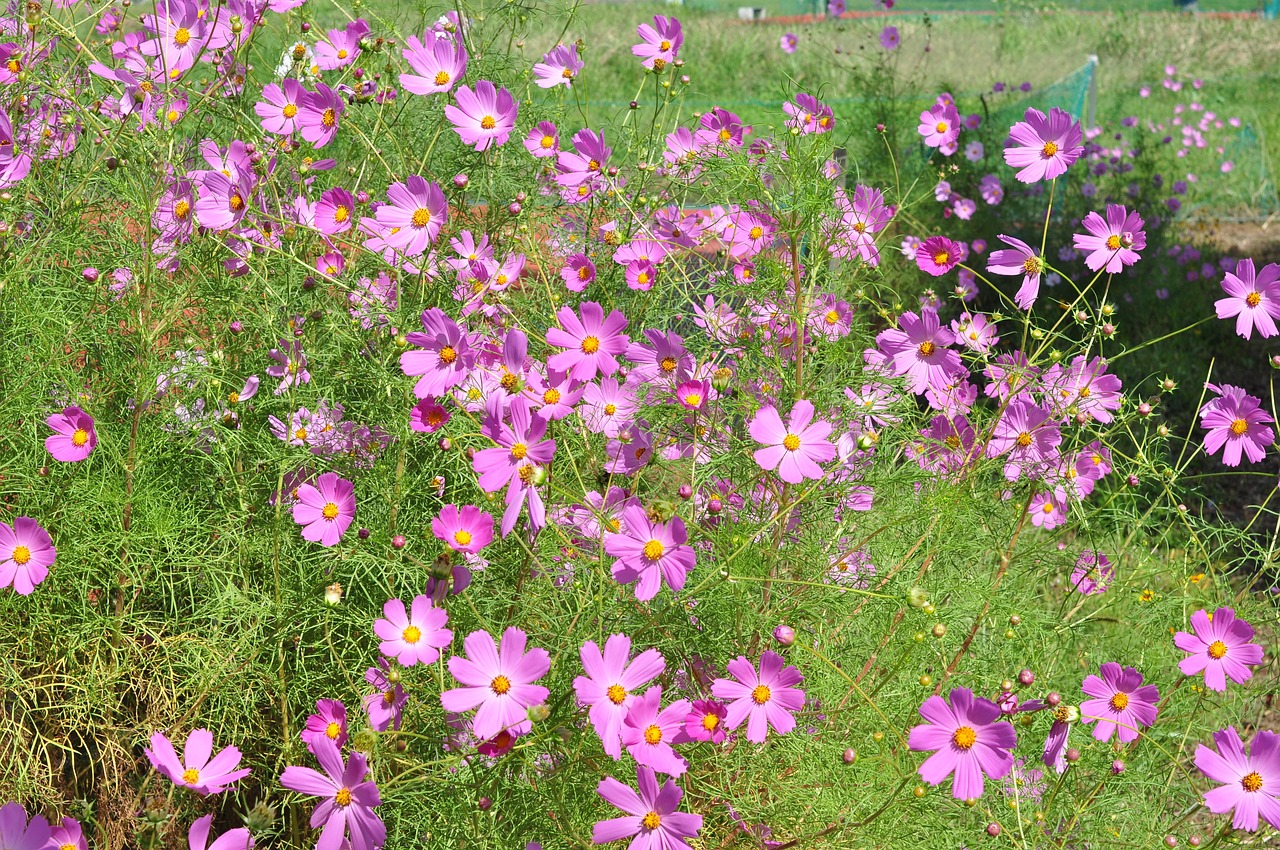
x: 484, y: 117
x: 26, y: 553
x: 1044, y: 147
x: 650, y: 551
x: 651, y: 816
x: 447, y: 356
x: 1113, y: 243
x: 279, y: 106
x: 1221, y: 647
x: 578, y: 273
x: 764, y: 698
x: 809, y: 115
x: 329, y: 721
x: 889, y: 38
x: 1019, y: 259
x: 196, y: 770
x: 75, y: 436
x: 861, y: 218
x: 429, y: 416
x: 342, y: 47
x: 437, y: 65
x: 788, y: 42
x: 544, y: 141
x: 558, y: 67
x: 1236, y: 424
x: 334, y: 210
x: 69, y: 835
x: 468, y: 530
x: 794, y: 449
x: 326, y: 509
x: 593, y: 341
x: 1254, y: 299
x: 1250, y: 780
x: 648, y: 732
x: 347, y: 799
x: 608, y: 688
x: 967, y: 740
x: 661, y: 42
x: 1120, y: 704
x: 198, y: 836
x: 938, y: 255
x: 511, y: 463
x: 940, y: 125
x: 318, y: 115
x: 19, y: 834
x: 290, y: 365
x: 416, y: 637
x: 385, y: 706
x: 705, y: 721
x: 918, y: 350
x: 498, y: 681
x: 416, y: 210
x: 1026, y: 432
x: 1093, y: 573
x: 1083, y: 387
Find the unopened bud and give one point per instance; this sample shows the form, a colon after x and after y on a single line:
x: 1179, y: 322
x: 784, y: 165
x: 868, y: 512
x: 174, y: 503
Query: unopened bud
x: 333, y: 595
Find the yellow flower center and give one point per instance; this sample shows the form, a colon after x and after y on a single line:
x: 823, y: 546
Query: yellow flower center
x: 1217, y: 649
x: 181, y: 209
x: 1239, y: 427
x: 760, y: 694
x: 500, y: 685
x: 616, y: 694
x: 442, y: 78
x: 462, y: 537
x: 665, y: 45
x: 642, y: 278
x: 300, y: 434
x: 693, y: 399
x: 1119, y: 701
x: 652, y: 735
x: 610, y: 409
x: 590, y: 345
x: 412, y: 634
x: 21, y: 554
x: 330, y: 511
x: 519, y: 451
x: 1048, y: 507
x: 80, y: 437
x: 343, y: 797
x: 940, y: 258
x: 547, y: 143
x: 964, y: 737
x: 551, y: 396
x: 710, y: 722
x: 654, y: 549
x: 756, y: 232
x: 1251, y: 782
x: 421, y: 217
x: 342, y: 54
x: 1253, y: 299
x: 290, y: 110
x: 927, y: 348
x: 1031, y: 265
x: 191, y: 776
x: 14, y: 66
x: 651, y: 820
x: 389, y: 696
x: 332, y: 731
x: 941, y: 126
x: 1049, y: 149
x: 341, y: 213
x: 567, y: 73
x: 1113, y: 243
x: 182, y: 36
x: 329, y: 117
x: 236, y: 202
x: 791, y: 442
x: 1024, y: 440
x: 1061, y: 714
x: 487, y: 123
x: 832, y: 317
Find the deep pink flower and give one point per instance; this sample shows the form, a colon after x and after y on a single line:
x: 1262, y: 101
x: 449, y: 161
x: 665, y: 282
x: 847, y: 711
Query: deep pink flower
x: 861, y: 218
x: 809, y: 115
x: 498, y: 681
x: 1093, y: 573
x: 578, y: 273
x: 940, y: 125
x: 1120, y: 704
x: 1083, y: 387
x: 661, y: 42
x: 325, y: 510
x: 918, y: 349
x: 342, y: 47
x: 794, y: 449
x: 329, y: 721
x: 968, y: 742
x: 764, y: 698
x: 608, y: 688
x: 705, y: 721
x: 520, y: 450
x: 437, y: 65
x: 334, y: 211
x: 75, y: 436
x: 558, y: 67
x: 198, y: 837
x: 484, y: 117
x: 651, y: 815
x: 447, y: 356
x: 1254, y: 299
x: 1221, y: 647
x: 26, y: 553
x: 385, y: 707
x: 1028, y: 435
x: 415, y: 210
x: 1019, y: 259
x: 468, y: 530
x: 1251, y: 781
x: 318, y: 115
x: 938, y: 255
x: 429, y: 416
x: 593, y: 341
x: 649, y: 731
x: 196, y: 770
x: 1112, y: 243
x: 17, y: 834
x: 1236, y: 424
x: 651, y: 551
x: 1044, y: 147
x: 412, y: 638
x: 347, y: 799
x: 279, y: 106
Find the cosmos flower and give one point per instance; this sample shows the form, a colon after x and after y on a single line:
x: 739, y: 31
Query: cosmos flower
x: 1250, y: 781
x: 416, y: 211
x: 326, y: 509
x: 558, y: 67
x: 651, y: 551
x: 415, y: 637
x: 75, y: 436
x: 660, y: 42
x: 592, y: 341
x: 318, y: 115
x: 651, y: 816
x: 543, y: 141
x: 437, y: 65
x: 940, y: 125
x: 1221, y: 647
x: 196, y: 769
x: 329, y: 721
x: 1029, y: 437
x: 788, y: 42
x: 484, y: 117
x: 889, y: 38
x: 648, y: 732
x: 609, y: 686
x: 968, y: 741
x: 19, y: 834
x: 198, y: 836
x: 1120, y: 704
x: 1253, y: 298
x: 26, y: 553
x: 919, y: 350
x: 467, y: 530
x: 794, y: 449
x: 1093, y: 573
x: 706, y: 721
x: 279, y: 106
x: 1019, y: 259
x: 1112, y: 243
x: 938, y: 255
x: 446, y: 356
x: 1236, y: 424
x: 1043, y: 147
x: 497, y: 681
x: 385, y: 707
x: 762, y: 698
x: 347, y: 798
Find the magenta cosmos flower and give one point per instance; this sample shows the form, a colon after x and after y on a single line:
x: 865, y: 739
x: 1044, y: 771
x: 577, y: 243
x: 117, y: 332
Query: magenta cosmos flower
x: 592, y: 341
x: 484, y: 117
x: 938, y: 255
x: 940, y: 125
x: 497, y: 680
x: 650, y: 551
x: 437, y: 65
x: 69, y: 835
x: 661, y: 42
x: 468, y: 530
x: 446, y: 358
x: 808, y: 115
x: 511, y: 463
x: 1251, y: 781
x: 788, y: 42
x: 196, y: 770
x: 705, y: 721
x: 1028, y: 435
x: 413, y: 215
x: 329, y: 721
x: 1112, y: 243
x: 967, y: 740
x: 26, y: 553
x: 651, y: 816
x: 198, y: 837
x: 279, y: 106
x: 918, y: 350
x: 1121, y: 703
x: 1221, y: 647
x: 326, y: 509
x: 764, y: 698
x: 649, y: 731
x: 17, y: 834
x: 1236, y: 423
x: 415, y: 637
x: 1254, y: 299
x: 794, y: 449
x: 608, y: 688
x: 1093, y: 573
x: 1043, y: 146
x: 318, y: 115
x: 558, y: 67
x: 1019, y: 259
x: 346, y: 802
x: 75, y: 436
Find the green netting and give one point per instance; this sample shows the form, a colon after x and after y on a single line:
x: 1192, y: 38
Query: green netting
x: 795, y: 8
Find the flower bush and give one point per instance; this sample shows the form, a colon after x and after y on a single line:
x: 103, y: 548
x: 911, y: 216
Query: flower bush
x: 635, y: 448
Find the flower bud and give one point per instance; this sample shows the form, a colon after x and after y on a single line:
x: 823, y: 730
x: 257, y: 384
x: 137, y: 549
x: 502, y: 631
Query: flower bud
x: 306, y: 26
x: 539, y: 476
x: 363, y: 534
x: 1132, y: 481
x: 514, y: 208
x: 362, y: 197
x: 445, y: 444
x: 236, y: 327
x: 721, y: 377
x: 485, y: 803
x: 685, y: 492
x: 398, y: 541
x: 90, y: 274
x: 917, y: 598
x: 784, y: 635
x: 1026, y: 678
x: 1073, y: 755
x: 1144, y: 409
x: 993, y: 829
x: 539, y: 713
x: 1054, y: 699
x: 1170, y: 841
x: 939, y: 630
x: 849, y: 756
x: 1117, y: 767
x: 333, y: 595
